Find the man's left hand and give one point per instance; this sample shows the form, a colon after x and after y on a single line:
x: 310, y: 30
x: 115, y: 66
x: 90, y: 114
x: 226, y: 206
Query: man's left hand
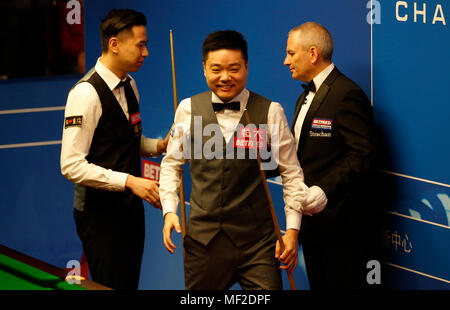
x: 289, y: 256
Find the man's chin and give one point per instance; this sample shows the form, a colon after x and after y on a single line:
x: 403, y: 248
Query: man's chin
x: 136, y: 67
x: 225, y: 96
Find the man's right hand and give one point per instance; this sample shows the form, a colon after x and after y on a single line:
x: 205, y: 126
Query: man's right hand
x: 171, y: 221
x: 145, y: 189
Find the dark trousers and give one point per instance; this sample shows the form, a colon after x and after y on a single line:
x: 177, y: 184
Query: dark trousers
x: 220, y: 264
x: 335, y: 265
x: 113, y: 241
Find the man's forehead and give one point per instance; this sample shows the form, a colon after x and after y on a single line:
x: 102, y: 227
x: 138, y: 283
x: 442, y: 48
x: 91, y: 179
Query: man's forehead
x: 294, y: 36
x: 294, y: 41
x: 226, y: 57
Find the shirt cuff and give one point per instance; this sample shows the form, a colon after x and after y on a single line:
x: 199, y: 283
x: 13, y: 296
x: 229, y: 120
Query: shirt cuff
x: 293, y: 219
x: 118, y: 181
x: 169, y: 206
x: 149, y: 147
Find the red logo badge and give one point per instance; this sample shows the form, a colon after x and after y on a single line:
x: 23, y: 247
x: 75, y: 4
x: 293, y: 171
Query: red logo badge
x: 247, y: 136
x: 135, y: 118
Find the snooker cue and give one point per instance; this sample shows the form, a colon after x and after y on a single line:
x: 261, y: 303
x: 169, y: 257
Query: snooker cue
x: 175, y: 102
x: 271, y: 207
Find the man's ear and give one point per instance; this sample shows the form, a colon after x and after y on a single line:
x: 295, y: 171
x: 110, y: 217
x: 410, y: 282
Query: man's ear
x: 314, y: 54
x: 204, y: 68
x: 114, y: 45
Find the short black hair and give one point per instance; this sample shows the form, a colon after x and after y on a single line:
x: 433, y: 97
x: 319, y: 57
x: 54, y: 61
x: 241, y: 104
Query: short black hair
x: 225, y: 39
x: 117, y: 21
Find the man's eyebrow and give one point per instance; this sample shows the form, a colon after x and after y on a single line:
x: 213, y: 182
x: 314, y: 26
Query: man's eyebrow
x: 230, y: 65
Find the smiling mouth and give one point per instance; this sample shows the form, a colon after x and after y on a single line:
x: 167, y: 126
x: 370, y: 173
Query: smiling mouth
x: 225, y: 87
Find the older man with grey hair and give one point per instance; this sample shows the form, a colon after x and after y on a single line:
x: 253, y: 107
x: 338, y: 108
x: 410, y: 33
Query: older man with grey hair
x: 334, y: 133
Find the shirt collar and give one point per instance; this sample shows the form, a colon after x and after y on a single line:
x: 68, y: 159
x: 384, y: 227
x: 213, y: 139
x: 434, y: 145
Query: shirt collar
x: 107, y: 75
x: 320, y: 78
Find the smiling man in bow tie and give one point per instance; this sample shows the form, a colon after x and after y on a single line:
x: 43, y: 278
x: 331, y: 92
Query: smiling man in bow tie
x: 230, y: 236
x: 334, y: 132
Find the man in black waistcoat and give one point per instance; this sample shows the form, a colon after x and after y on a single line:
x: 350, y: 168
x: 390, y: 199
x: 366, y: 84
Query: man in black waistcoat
x: 230, y: 236
x: 335, y: 135
x: 101, y: 149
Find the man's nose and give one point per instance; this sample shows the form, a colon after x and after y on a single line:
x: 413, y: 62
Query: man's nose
x: 145, y: 52
x: 225, y: 76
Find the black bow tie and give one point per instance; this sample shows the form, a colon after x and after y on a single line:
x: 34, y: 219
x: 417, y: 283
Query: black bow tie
x: 235, y: 105
x: 309, y: 87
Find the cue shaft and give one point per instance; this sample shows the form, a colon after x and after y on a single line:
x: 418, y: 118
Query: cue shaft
x: 269, y: 200
x: 175, y: 104
x: 174, y: 80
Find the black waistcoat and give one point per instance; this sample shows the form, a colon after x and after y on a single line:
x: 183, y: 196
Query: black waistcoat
x: 227, y: 194
x: 115, y: 145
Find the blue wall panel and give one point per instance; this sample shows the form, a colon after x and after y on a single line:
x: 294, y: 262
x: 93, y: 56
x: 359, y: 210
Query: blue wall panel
x: 411, y: 67
x: 410, y: 76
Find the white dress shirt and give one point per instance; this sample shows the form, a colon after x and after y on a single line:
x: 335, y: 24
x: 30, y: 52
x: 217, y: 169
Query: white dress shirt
x: 83, y: 100
x: 290, y: 170
x: 318, y: 80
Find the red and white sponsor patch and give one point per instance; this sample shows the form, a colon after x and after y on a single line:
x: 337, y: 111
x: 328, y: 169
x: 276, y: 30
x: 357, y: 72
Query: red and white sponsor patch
x: 322, y: 124
x: 135, y: 118
x: 247, y: 136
